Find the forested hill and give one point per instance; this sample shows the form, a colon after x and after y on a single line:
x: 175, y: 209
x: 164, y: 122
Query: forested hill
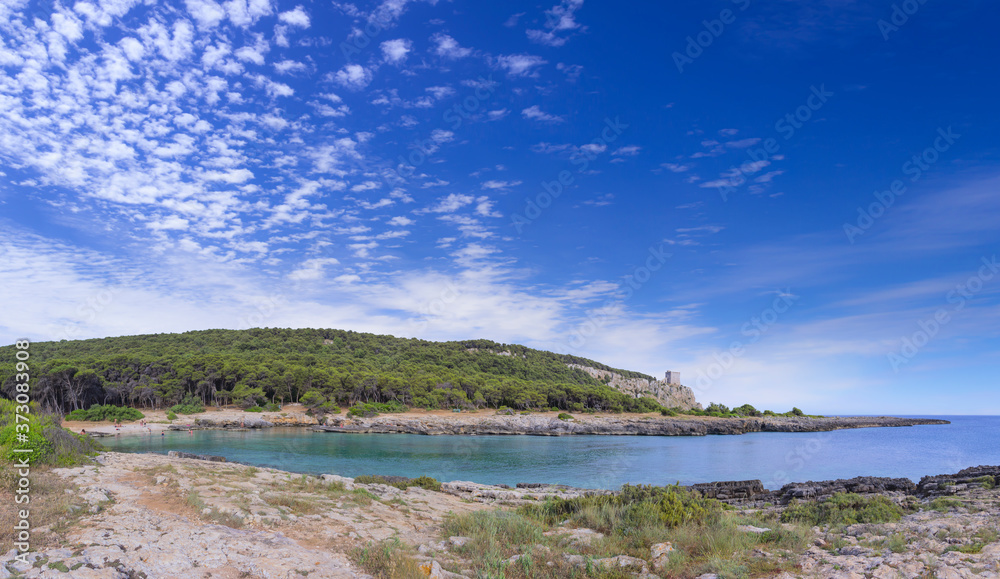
x: 315, y: 366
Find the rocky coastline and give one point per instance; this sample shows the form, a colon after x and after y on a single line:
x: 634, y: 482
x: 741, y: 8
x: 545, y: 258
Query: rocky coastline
x: 489, y: 422
x: 146, y: 515
x: 542, y: 425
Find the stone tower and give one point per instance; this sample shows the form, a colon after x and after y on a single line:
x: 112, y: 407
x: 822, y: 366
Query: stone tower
x: 673, y: 377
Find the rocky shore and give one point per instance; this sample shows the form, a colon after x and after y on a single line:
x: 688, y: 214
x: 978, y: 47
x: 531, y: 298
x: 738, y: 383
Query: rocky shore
x: 153, y: 516
x: 550, y: 425
x: 488, y: 422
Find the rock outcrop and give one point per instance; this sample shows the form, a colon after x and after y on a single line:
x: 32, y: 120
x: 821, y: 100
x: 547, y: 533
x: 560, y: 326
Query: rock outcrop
x: 728, y: 490
x: 965, y: 479
x: 668, y: 395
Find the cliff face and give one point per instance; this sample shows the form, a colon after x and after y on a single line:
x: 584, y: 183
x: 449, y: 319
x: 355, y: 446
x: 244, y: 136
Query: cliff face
x: 668, y: 395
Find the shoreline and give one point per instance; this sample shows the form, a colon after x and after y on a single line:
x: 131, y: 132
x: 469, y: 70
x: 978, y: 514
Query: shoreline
x: 489, y: 423
x: 158, y: 516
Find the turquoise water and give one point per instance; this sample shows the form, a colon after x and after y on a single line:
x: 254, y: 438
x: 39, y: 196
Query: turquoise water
x: 604, y: 461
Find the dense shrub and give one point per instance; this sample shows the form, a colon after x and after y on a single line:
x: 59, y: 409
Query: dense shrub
x: 564, y: 416
x: 634, y: 507
x: 253, y: 409
x: 48, y: 441
x: 190, y: 405
x: 746, y: 410
x: 844, y: 509
x: 370, y: 409
x: 98, y: 413
x: 171, y: 415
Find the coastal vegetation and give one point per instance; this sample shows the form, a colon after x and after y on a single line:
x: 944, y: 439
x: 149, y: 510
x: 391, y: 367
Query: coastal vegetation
x: 322, y: 368
x: 50, y: 444
x: 673, y: 531
x: 105, y: 413
x: 844, y: 509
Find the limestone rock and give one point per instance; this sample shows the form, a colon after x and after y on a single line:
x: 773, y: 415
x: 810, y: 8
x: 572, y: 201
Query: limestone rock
x: 668, y: 395
x: 623, y: 562
x: 660, y: 554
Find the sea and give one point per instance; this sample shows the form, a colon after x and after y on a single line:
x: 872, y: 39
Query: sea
x: 603, y: 462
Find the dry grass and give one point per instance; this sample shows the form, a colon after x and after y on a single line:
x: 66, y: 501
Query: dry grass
x: 51, y: 507
x: 388, y: 559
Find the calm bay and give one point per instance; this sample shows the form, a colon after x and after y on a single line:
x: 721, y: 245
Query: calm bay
x: 603, y: 461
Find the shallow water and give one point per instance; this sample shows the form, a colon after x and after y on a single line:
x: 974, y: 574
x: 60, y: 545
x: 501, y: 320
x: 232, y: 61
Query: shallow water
x: 604, y: 461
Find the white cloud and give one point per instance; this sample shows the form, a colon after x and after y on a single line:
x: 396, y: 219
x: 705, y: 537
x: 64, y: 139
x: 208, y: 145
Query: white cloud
x: 743, y: 143
x: 592, y: 149
x: 520, y: 64
x: 441, y: 136
x: 484, y: 207
x: 629, y: 151
x: 440, y: 92
x: 558, y: 19
x: 298, y: 17
x: 401, y: 221
x: 451, y: 203
x: 500, y: 185
x: 312, y: 269
x: 395, y: 51
x: 289, y: 67
x: 448, y: 47
x: 767, y: 177
x: 536, y: 114
x: 207, y: 13
x: 675, y: 167
x: 353, y: 76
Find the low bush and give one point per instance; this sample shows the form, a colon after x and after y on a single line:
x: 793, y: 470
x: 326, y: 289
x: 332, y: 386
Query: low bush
x: 633, y: 507
x: 400, y: 482
x: 564, y: 416
x: 944, y: 504
x: 986, y: 481
x: 844, y: 509
x: 108, y: 413
x: 370, y: 409
x: 387, y: 560
x: 271, y: 407
x: 253, y: 409
x: 190, y: 405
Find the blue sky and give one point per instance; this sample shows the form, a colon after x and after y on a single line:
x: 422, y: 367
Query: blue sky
x: 791, y: 203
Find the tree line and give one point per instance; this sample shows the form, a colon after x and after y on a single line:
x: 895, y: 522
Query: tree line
x: 335, y: 367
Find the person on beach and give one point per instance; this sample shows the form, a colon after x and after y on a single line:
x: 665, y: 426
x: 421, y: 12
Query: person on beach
x: 82, y: 431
